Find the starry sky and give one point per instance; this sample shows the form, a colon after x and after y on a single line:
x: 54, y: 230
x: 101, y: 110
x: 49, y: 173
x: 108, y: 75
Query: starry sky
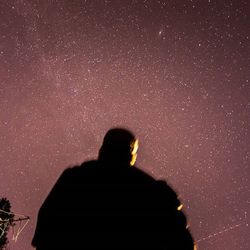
x: 177, y: 73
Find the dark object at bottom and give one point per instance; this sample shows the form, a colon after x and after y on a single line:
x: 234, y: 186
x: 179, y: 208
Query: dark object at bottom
x: 98, y: 206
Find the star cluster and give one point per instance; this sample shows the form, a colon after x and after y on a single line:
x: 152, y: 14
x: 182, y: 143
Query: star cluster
x: 175, y: 72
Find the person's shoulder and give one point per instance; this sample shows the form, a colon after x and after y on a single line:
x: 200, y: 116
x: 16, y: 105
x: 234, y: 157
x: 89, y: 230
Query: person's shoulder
x: 91, y: 167
x: 139, y: 173
x: 78, y: 169
x: 162, y: 184
x: 149, y: 178
x: 161, y: 187
x: 168, y: 191
x: 84, y: 166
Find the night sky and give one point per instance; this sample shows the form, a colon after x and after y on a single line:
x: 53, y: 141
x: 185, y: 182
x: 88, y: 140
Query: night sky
x: 177, y: 73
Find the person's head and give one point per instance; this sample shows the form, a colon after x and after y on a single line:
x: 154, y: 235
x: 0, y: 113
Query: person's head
x: 119, y: 146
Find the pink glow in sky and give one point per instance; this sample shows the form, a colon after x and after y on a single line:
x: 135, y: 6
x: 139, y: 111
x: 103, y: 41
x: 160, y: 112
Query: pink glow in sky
x: 174, y: 72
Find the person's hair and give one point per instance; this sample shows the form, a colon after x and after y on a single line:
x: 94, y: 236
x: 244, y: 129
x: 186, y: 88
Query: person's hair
x: 117, y: 146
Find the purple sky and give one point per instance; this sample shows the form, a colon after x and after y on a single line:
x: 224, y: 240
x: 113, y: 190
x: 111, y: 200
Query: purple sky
x: 177, y: 73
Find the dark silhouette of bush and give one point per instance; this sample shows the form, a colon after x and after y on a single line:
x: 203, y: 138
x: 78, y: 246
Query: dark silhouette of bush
x: 6, y: 219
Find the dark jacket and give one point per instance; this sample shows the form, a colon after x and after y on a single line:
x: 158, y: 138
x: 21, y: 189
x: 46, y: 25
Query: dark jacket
x: 99, y: 206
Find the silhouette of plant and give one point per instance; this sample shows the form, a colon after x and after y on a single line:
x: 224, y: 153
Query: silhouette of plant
x: 6, y: 219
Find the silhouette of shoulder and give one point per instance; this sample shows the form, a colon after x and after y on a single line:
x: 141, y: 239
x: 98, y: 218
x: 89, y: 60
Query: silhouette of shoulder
x: 119, y: 203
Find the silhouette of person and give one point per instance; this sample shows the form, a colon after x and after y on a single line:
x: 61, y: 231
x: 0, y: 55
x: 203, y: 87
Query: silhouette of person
x: 108, y: 203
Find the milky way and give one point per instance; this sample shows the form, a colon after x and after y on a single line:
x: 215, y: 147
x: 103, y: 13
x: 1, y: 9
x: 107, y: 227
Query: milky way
x: 176, y: 73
